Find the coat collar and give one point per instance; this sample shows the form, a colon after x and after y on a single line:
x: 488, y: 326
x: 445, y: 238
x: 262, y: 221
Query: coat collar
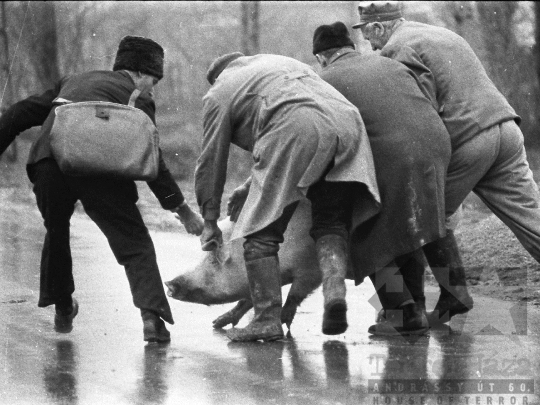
x: 342, y: 52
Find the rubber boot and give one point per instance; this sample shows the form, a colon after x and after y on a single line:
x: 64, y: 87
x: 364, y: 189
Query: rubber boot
x: 332, y: 255
x: 154, y: 329
x: 265, y: 287
x: 408, y: 319
x: 445, y: 261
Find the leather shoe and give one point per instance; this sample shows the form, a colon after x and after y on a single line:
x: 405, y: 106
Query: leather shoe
x: 154, y: 329
x: 63, y: 323
x: 406, y: 320
x: 448, y: 306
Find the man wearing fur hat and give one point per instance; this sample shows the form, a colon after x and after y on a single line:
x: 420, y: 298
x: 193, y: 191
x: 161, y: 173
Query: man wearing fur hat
x: 488, y: 156
x: 109, y: 202
x: 306, y: 139
x: 411, y: 151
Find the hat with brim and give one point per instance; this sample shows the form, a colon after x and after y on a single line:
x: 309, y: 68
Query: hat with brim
x: 377, y: 11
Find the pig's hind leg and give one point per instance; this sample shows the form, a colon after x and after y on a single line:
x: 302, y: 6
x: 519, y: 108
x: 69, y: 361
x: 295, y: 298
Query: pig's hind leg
x: 304, y: 282
x: 301, y: 287
x: 234, y: 315
x: 244, y: 305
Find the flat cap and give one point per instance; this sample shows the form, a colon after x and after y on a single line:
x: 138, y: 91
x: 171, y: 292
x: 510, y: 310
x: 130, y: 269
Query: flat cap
x: 377, y: 11
x: 219, y: 65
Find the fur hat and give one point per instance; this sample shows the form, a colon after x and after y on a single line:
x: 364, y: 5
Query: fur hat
x: 219, y: 65
x: 331, y: 36
x: 140, y: 54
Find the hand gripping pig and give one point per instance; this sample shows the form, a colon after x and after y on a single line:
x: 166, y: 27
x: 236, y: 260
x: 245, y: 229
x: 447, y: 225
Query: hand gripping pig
x: 221, y: 277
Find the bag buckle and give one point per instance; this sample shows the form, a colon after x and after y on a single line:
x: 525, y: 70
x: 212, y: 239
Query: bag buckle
x: 101, y: 112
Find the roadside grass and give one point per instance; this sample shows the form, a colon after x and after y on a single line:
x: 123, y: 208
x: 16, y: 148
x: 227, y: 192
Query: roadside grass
x: 496, y: 264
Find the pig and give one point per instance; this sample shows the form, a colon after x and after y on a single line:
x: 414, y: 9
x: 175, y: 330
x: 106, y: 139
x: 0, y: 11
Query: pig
x: 221, y: 277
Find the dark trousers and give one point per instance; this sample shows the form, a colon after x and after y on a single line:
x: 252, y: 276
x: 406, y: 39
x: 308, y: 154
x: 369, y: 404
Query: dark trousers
x: 401, y: 281
x: 111, y: 205
x: 331, y: 208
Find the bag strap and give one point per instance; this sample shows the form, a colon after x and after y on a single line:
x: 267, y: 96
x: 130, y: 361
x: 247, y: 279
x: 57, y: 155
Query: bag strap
x: 134, y: 97
x: 136, y: 93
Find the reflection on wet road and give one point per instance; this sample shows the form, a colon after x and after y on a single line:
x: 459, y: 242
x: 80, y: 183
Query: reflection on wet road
x: 489, y: 357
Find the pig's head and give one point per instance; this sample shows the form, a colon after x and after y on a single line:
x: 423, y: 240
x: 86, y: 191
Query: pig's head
x: 220, y: 277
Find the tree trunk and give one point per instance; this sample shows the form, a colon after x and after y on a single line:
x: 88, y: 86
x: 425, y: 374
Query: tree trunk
x: 8, y: 95
x: 467, y: 25
x: 537, y: 38
x: 8, y: 90
x: 44, y: 46
x: 250, y: 27
x: 496, y: 18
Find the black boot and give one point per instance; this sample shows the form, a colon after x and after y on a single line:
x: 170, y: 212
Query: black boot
x: 265, y: 287
x: 412, y: 267
x: 408, y: 319
x: 332, y: 255
x: 64, y: 314
x: 154, y: 329
x: 445, y: 261
x: 420, y: 302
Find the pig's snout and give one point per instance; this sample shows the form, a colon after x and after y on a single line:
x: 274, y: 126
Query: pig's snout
x: 182, y: 289
x: 176, y: 289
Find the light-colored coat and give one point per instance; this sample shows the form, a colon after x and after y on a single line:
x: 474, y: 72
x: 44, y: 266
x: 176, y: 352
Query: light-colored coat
x: 295, y: 125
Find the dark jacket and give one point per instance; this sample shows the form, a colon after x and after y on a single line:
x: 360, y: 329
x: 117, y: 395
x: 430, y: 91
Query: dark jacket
x: 448, y: 69
x: 99, y: 85
x: 411, y: 151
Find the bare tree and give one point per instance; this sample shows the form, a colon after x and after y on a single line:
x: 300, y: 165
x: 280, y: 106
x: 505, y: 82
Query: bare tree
x: 73, y: 35
x: 464, y: 21
x: 250, y: 27
x: 510, y: 66
x: 537, y: 37
x: 496, y: 18
x: 42, y: 46
x: 8, y: 90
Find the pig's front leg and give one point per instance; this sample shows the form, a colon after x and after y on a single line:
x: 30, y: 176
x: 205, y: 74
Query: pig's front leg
x: 304, y: 282
x: 234, y: 315
x: 289, y: 309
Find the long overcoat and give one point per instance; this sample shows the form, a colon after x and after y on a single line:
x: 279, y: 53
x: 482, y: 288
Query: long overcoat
x: 411, y: 151
x: 295, y: 125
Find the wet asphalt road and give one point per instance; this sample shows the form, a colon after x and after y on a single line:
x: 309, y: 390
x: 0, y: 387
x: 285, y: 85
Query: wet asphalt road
x: 488, y: 357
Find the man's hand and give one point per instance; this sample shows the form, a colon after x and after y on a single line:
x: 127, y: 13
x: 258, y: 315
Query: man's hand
x: 237, y: 200
x: 211, y: 237
x: 192, y: 222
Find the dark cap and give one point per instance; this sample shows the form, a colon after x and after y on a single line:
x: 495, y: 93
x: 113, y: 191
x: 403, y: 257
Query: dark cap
x: 331, y: 36
x: 140, y: 54
x: 377, y: 11
x: 219, y: 65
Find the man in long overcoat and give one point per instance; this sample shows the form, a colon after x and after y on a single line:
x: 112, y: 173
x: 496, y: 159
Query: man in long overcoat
x: 109, y: 202
x: 306, y: 140
x: 411, y: 151
x: 488, y: 154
